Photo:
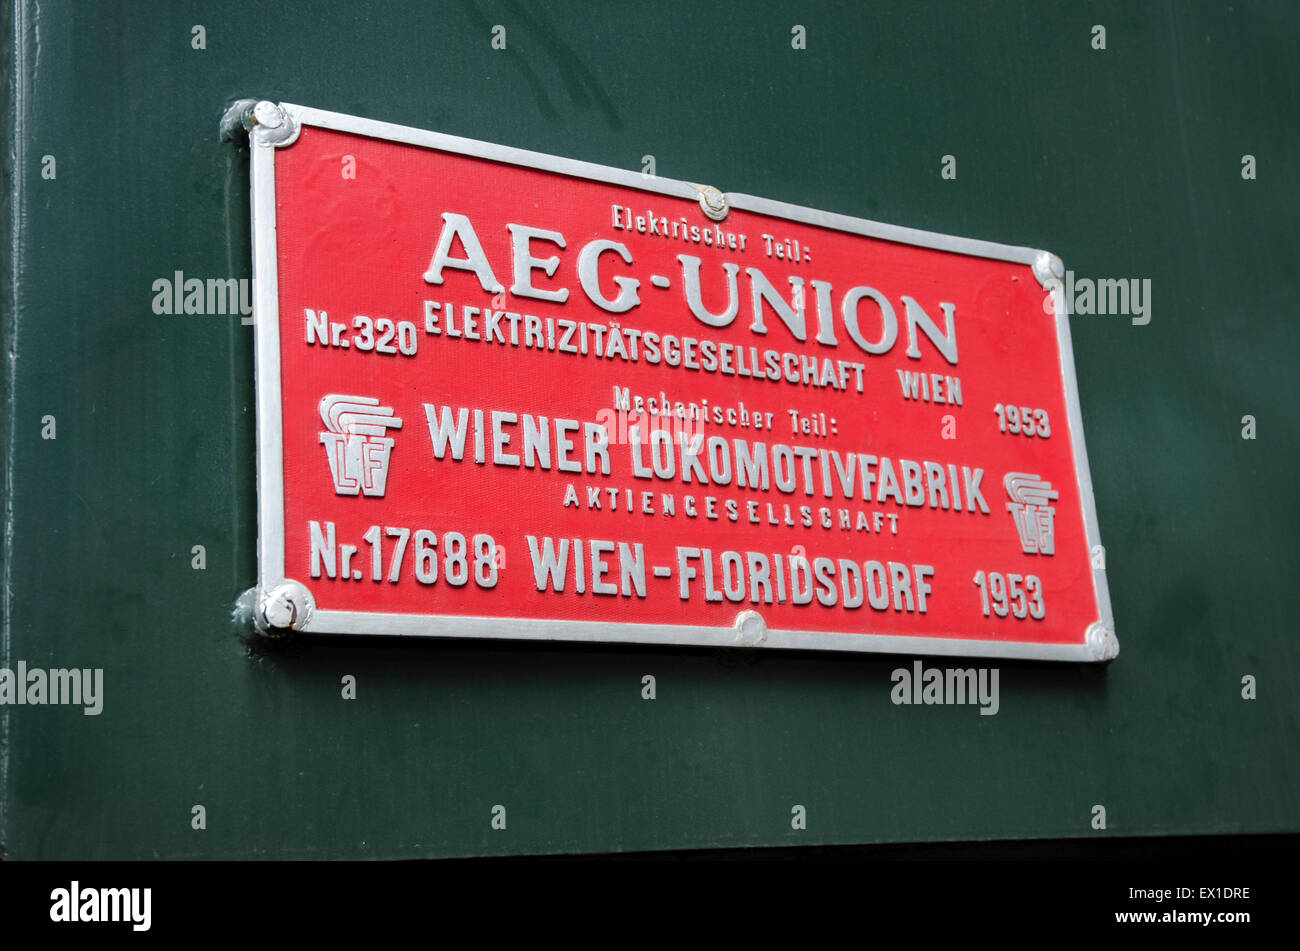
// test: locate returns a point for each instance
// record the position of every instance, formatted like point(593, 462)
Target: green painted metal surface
point(1125, 161)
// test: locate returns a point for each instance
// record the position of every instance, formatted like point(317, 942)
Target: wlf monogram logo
point(356, 444)
point(1035, 517)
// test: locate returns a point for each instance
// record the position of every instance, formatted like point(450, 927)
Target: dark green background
point(1126, 162)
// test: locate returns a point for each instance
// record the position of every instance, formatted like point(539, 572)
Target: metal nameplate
point(509, 395)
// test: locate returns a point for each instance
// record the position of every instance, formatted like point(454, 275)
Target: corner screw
point(285, 607)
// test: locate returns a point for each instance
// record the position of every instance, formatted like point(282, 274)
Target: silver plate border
point(1097, 642)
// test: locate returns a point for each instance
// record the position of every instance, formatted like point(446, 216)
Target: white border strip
point(266, 367)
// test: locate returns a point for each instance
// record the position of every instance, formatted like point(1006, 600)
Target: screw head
point(751, 629)
point(268, 115)
point(1049, 269)
point(713, 202)
point(284, 607)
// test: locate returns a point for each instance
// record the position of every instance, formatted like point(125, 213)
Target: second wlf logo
point(356, 444)
point(1035, 517)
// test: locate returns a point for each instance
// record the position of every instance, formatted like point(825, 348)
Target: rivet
point(713, 202)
